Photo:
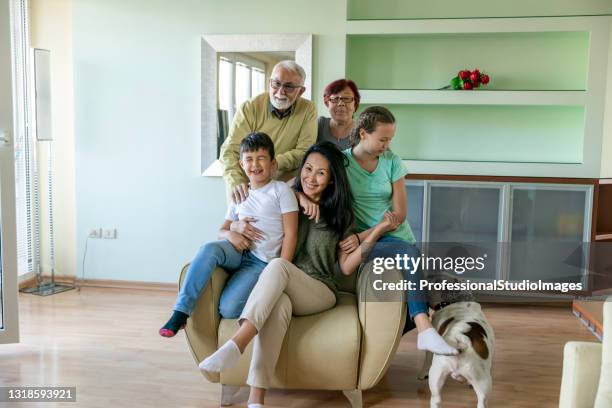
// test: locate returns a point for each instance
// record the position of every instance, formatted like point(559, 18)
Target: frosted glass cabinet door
point(414, 191)
point(464, 221)
point(548, 228)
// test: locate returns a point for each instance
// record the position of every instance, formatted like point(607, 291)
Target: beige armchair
point(347, 348)
point(587, 370)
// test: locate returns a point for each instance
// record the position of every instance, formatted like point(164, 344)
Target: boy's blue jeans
point(244, 269)
point(390, 247)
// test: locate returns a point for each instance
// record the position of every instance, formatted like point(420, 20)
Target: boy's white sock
point(226, 357)
point(430, 340)
point(255, 406)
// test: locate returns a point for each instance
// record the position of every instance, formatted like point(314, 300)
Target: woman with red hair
point(341, 98)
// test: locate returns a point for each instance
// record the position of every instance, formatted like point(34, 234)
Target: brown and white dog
point(463, 326)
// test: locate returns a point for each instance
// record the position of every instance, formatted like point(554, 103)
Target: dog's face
point(437, 297)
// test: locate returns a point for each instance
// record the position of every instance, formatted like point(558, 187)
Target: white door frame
point(10, 332)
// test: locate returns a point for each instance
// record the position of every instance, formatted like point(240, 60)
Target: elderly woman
point(342, 100)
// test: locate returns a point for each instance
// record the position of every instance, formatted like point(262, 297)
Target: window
point(241, 77)
point(26, 198)
point(218, 59)
point(258, 81)
point(226, 70)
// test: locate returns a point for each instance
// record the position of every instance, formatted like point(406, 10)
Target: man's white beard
point(281, 104)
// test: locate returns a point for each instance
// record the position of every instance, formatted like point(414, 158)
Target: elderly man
point(281, 113)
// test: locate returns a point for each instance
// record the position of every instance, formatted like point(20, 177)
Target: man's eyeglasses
point(289, 87)
point(344, 99)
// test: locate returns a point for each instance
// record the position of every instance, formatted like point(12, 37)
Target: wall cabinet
point(527, 230)
point(548, 226)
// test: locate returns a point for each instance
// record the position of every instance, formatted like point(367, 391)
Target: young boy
point(272, 206)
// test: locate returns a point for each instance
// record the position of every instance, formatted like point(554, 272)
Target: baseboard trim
point(592, 317)
point(28, 280)
point(134, 285)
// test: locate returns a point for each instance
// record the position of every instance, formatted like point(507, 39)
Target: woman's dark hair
point(368, 119)
point(255, 141)
point(336, 200)
point(338, 86)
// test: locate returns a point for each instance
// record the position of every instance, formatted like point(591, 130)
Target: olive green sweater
point(315, 252)
point(291, 135)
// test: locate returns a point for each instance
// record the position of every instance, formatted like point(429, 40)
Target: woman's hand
point(310, 209)
point(239, 241)
point(349, 244)
point(389, 222)
point(245, 228)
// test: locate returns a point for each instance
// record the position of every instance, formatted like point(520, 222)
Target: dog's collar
point(441, 305)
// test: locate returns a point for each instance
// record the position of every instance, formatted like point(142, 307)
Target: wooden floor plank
point(105, 342)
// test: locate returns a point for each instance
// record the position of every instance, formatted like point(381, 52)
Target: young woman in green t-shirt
point(376, 176)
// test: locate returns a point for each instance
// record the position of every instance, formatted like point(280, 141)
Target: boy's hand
point(349, 244)
point(240, 193)
point(239, 241)
point(310, 209)
point(390, 222)
point(245, 228)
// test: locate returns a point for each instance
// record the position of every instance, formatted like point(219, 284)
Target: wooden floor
point(105, 342)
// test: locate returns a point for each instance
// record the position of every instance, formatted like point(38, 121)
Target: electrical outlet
point(109, 233)
point(95, 233)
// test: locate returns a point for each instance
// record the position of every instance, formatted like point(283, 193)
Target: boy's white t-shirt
point(267, 205)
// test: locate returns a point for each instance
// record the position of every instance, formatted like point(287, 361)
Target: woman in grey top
point(341, 98)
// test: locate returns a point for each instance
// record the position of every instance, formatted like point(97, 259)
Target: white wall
point(51, 28)
point(137, 121)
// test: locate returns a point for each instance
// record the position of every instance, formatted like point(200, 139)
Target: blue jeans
point(244, 269)
point(390, 247)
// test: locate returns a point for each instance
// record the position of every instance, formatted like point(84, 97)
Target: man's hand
point(349, 244)
point(239, 241)
point(245, 228)
point(240, 193)
point(310, 209)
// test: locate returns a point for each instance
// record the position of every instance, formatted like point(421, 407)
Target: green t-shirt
point(372, 192)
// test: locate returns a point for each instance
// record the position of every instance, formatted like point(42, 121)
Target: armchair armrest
point(604, 389)
point(203, 325)
point(581, 367)
point(382, 317)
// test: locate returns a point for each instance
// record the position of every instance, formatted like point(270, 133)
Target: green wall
point(515, 61)
point(512, 134)
point(416, 9)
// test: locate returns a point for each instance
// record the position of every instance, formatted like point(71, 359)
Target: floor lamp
point(42, 85)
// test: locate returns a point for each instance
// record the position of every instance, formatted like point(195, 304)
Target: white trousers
point(282, 290)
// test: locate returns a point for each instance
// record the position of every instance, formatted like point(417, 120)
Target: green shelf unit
point(475, 97)
point(514, 61)
point(489, 133)
point(413, 9)
point(542, 115)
